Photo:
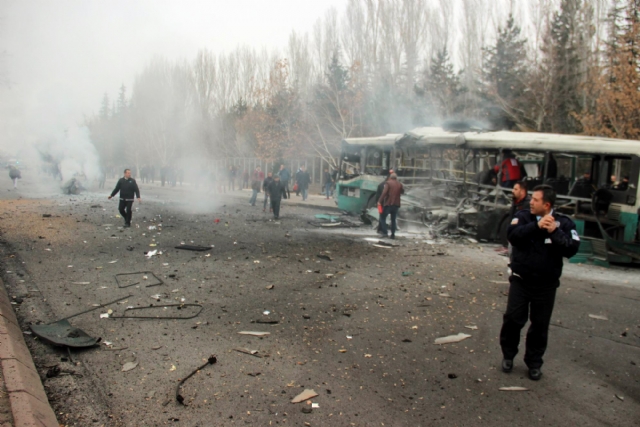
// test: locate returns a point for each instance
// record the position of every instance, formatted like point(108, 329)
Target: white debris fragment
point(104, 315)
point(598, 317)
point(472, 327)
point(513, 388)
point(305, 395)
point(129, 366)
point(452, 339)
point(266, 312)
point(254, 333)
point(113, 262)
point(151, 253)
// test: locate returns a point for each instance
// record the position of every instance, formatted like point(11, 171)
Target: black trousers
point(275, 206)
point(389, 210)
point(125, 210)
point(527, 300)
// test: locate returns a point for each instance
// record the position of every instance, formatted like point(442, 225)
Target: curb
point(29, 403)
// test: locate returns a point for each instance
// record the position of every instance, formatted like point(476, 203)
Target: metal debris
point(598, 317)
point(161, 307)
point(210, 361)
point(123, 284)
point(129, 366)
point(193, 248)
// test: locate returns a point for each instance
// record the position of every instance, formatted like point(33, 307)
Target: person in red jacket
point(511, 170)
point(390, 201)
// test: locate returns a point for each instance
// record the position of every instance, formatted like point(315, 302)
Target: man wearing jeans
point(326, 182)
point(303, 182)
point(128, 188)
point(541, 238)
point(390, 201)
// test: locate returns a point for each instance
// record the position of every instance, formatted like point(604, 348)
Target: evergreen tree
point(565, 40)
point(504, 77)
point(122, 99)
point(442, 87)
point(105, 109)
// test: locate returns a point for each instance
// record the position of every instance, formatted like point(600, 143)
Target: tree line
point(386, 66)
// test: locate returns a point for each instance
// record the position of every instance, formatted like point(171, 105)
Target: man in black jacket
point(277, 191)
point(265, 187)
point(541, 238)
point(128, 188)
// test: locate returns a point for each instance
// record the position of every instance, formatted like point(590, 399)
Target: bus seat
point(561, 185)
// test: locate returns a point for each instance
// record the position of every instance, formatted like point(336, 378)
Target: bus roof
point(517, 141)
point(388, 139)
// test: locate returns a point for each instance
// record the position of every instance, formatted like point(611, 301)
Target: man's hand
point(545, 222)
point(139, 200)
point(551, 224)
point(109, 197)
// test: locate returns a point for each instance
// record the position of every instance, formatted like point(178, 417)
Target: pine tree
point(504, 77)
point(442, 86)
point(105, 109)
point(565, 40)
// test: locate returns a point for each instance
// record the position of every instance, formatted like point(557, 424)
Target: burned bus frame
point(610, 231)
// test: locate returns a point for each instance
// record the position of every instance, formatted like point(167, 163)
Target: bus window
point(377, 161)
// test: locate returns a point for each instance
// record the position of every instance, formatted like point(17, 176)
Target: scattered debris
point(151, 253)
point(249, 352)
point(61, 333)
point(620, 397)
point(452, 339)
point(210, 361)
point(164, 309)
point(129, 366)
point(305, 395)
point(193, 248)
point(323, 256)
point(598, 317)
point(145, 276)
point(269, 287)
point(472, 327)
point(452, 376)
point(254, 333)
point(80, 283)
point(407, 273)
point(515, 388)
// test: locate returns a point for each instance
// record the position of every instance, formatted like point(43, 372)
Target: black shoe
point(507, 365)
point(127, 225)
point(535, 374)
point(393, 236)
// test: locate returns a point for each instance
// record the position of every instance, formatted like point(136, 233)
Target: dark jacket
point(380, 190)
point(326, 178)
point(537, 254)
point(304, 180)
point(284, 175)
point(265, 184)
point(391, 194)
point(127, 188)
point(277, 190)
point(516, 207)
point(15, 173)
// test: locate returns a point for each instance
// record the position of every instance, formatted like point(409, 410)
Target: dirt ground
point(354, 328)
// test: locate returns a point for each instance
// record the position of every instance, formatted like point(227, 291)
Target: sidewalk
point(22, 390)
point(314, 200)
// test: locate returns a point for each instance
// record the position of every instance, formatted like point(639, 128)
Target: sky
point(61, 56)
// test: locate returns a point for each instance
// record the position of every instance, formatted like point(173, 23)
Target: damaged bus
point(450, 187)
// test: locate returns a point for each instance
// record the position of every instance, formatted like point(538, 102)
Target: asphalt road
point(354, 328)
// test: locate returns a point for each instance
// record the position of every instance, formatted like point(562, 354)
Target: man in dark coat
point(303, 183)
point(390, 202)
point(14, 174)
point(379, 191)
point(265, 187)
point(128, 188)
point(541, 238)
point(298, 173)
point(277, 192)
point(285, 177)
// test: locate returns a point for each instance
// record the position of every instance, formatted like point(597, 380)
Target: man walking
point(276, 191)
point(265, 187)
point(256, 183)
point(327, 181)
point(128, 188)
point(297, 186)
point(379, 191)
point(303, 182)
point(390, 202)
point(285, 177)
point(15, 175)
point(540, 238)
